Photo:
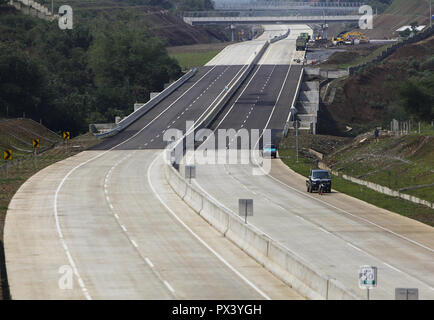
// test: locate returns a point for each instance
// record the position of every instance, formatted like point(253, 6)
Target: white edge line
point(59, 187)
point(199, 238)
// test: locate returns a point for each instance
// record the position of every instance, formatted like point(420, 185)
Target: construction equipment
point(350, 38)
point(300, 44)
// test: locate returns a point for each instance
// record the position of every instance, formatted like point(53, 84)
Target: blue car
point(269, 150)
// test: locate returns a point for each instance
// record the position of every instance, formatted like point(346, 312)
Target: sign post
point(406, 294)
point(7, 155)
point(190, 172)
point(245, 208)
point(66, 137)
point(367, 278)
point(35, 147)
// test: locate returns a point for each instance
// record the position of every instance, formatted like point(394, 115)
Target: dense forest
point(70, 78)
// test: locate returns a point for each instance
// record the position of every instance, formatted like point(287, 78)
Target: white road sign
point(367, 277)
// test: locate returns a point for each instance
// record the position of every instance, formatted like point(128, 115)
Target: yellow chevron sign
point(36, 143)
point(67, 135)
point(7, 154)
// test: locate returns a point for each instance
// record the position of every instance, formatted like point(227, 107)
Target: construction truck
point(300, 43)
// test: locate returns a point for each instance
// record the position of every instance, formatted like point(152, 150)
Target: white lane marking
point(277, 101)
point(111, 206)
point(241, 94)
point(392, 267)
point(134, 243)
point(62, 240)
point(149, 262)
point(107, 198)
point(324, 230)
point(354, 247)
point(169, 286)
point(196, 236)
point(348, 213)
point(123, 228)
point(56, 194)
point(116, 216)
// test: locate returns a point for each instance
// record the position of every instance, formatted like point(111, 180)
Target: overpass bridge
point(271, 19)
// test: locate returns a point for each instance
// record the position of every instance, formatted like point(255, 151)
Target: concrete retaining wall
point(286, 265)
point(149, 105)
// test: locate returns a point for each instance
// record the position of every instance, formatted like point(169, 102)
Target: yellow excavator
point(349, 38)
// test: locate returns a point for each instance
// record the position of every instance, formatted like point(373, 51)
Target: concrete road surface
point(335, 233)
point(124, 234)
point(104, 224)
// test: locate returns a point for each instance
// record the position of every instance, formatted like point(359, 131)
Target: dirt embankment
point(367, 99)
point(400, 13)
point(176, 32)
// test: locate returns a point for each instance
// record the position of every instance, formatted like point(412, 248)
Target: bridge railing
point(265, 5)
point(261, 13)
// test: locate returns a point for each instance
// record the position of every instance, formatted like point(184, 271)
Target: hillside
point(398, 14)
point(17, 134)
point(162, 23)
point(373, 97)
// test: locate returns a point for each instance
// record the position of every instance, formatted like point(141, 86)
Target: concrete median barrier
point(249, 240)
point(280, 261)
point(215, 217)
point(193, 198)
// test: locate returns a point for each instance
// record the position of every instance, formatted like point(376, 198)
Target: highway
point(105, 224)
point(108, 220)
point(335, 233)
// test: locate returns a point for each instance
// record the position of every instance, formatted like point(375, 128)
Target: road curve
point(107, 217)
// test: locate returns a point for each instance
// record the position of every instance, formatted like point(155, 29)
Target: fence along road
point(335, 233)
point(118, 226)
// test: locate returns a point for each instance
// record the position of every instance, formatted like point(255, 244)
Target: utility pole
point(430, 13)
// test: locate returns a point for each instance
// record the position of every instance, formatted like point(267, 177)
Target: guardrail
point(294, 101)
point(281, 37)
point(270, 19)
point(148, 106)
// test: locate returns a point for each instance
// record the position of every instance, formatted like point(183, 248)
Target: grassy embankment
point(419, 164)
point(195, 55)
point(14, 136)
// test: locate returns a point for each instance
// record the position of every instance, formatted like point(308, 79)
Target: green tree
point(418, 97)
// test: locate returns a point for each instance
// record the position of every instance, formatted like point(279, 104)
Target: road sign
point(190, 172)
point(245, 208)
point(67, 135)
point(36, 143)
point(406, 294)
point(7, 154)
point(367, 277)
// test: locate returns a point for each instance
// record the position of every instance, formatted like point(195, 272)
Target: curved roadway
point(106, 219)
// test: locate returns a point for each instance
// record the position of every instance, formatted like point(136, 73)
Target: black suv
point(318, 177)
